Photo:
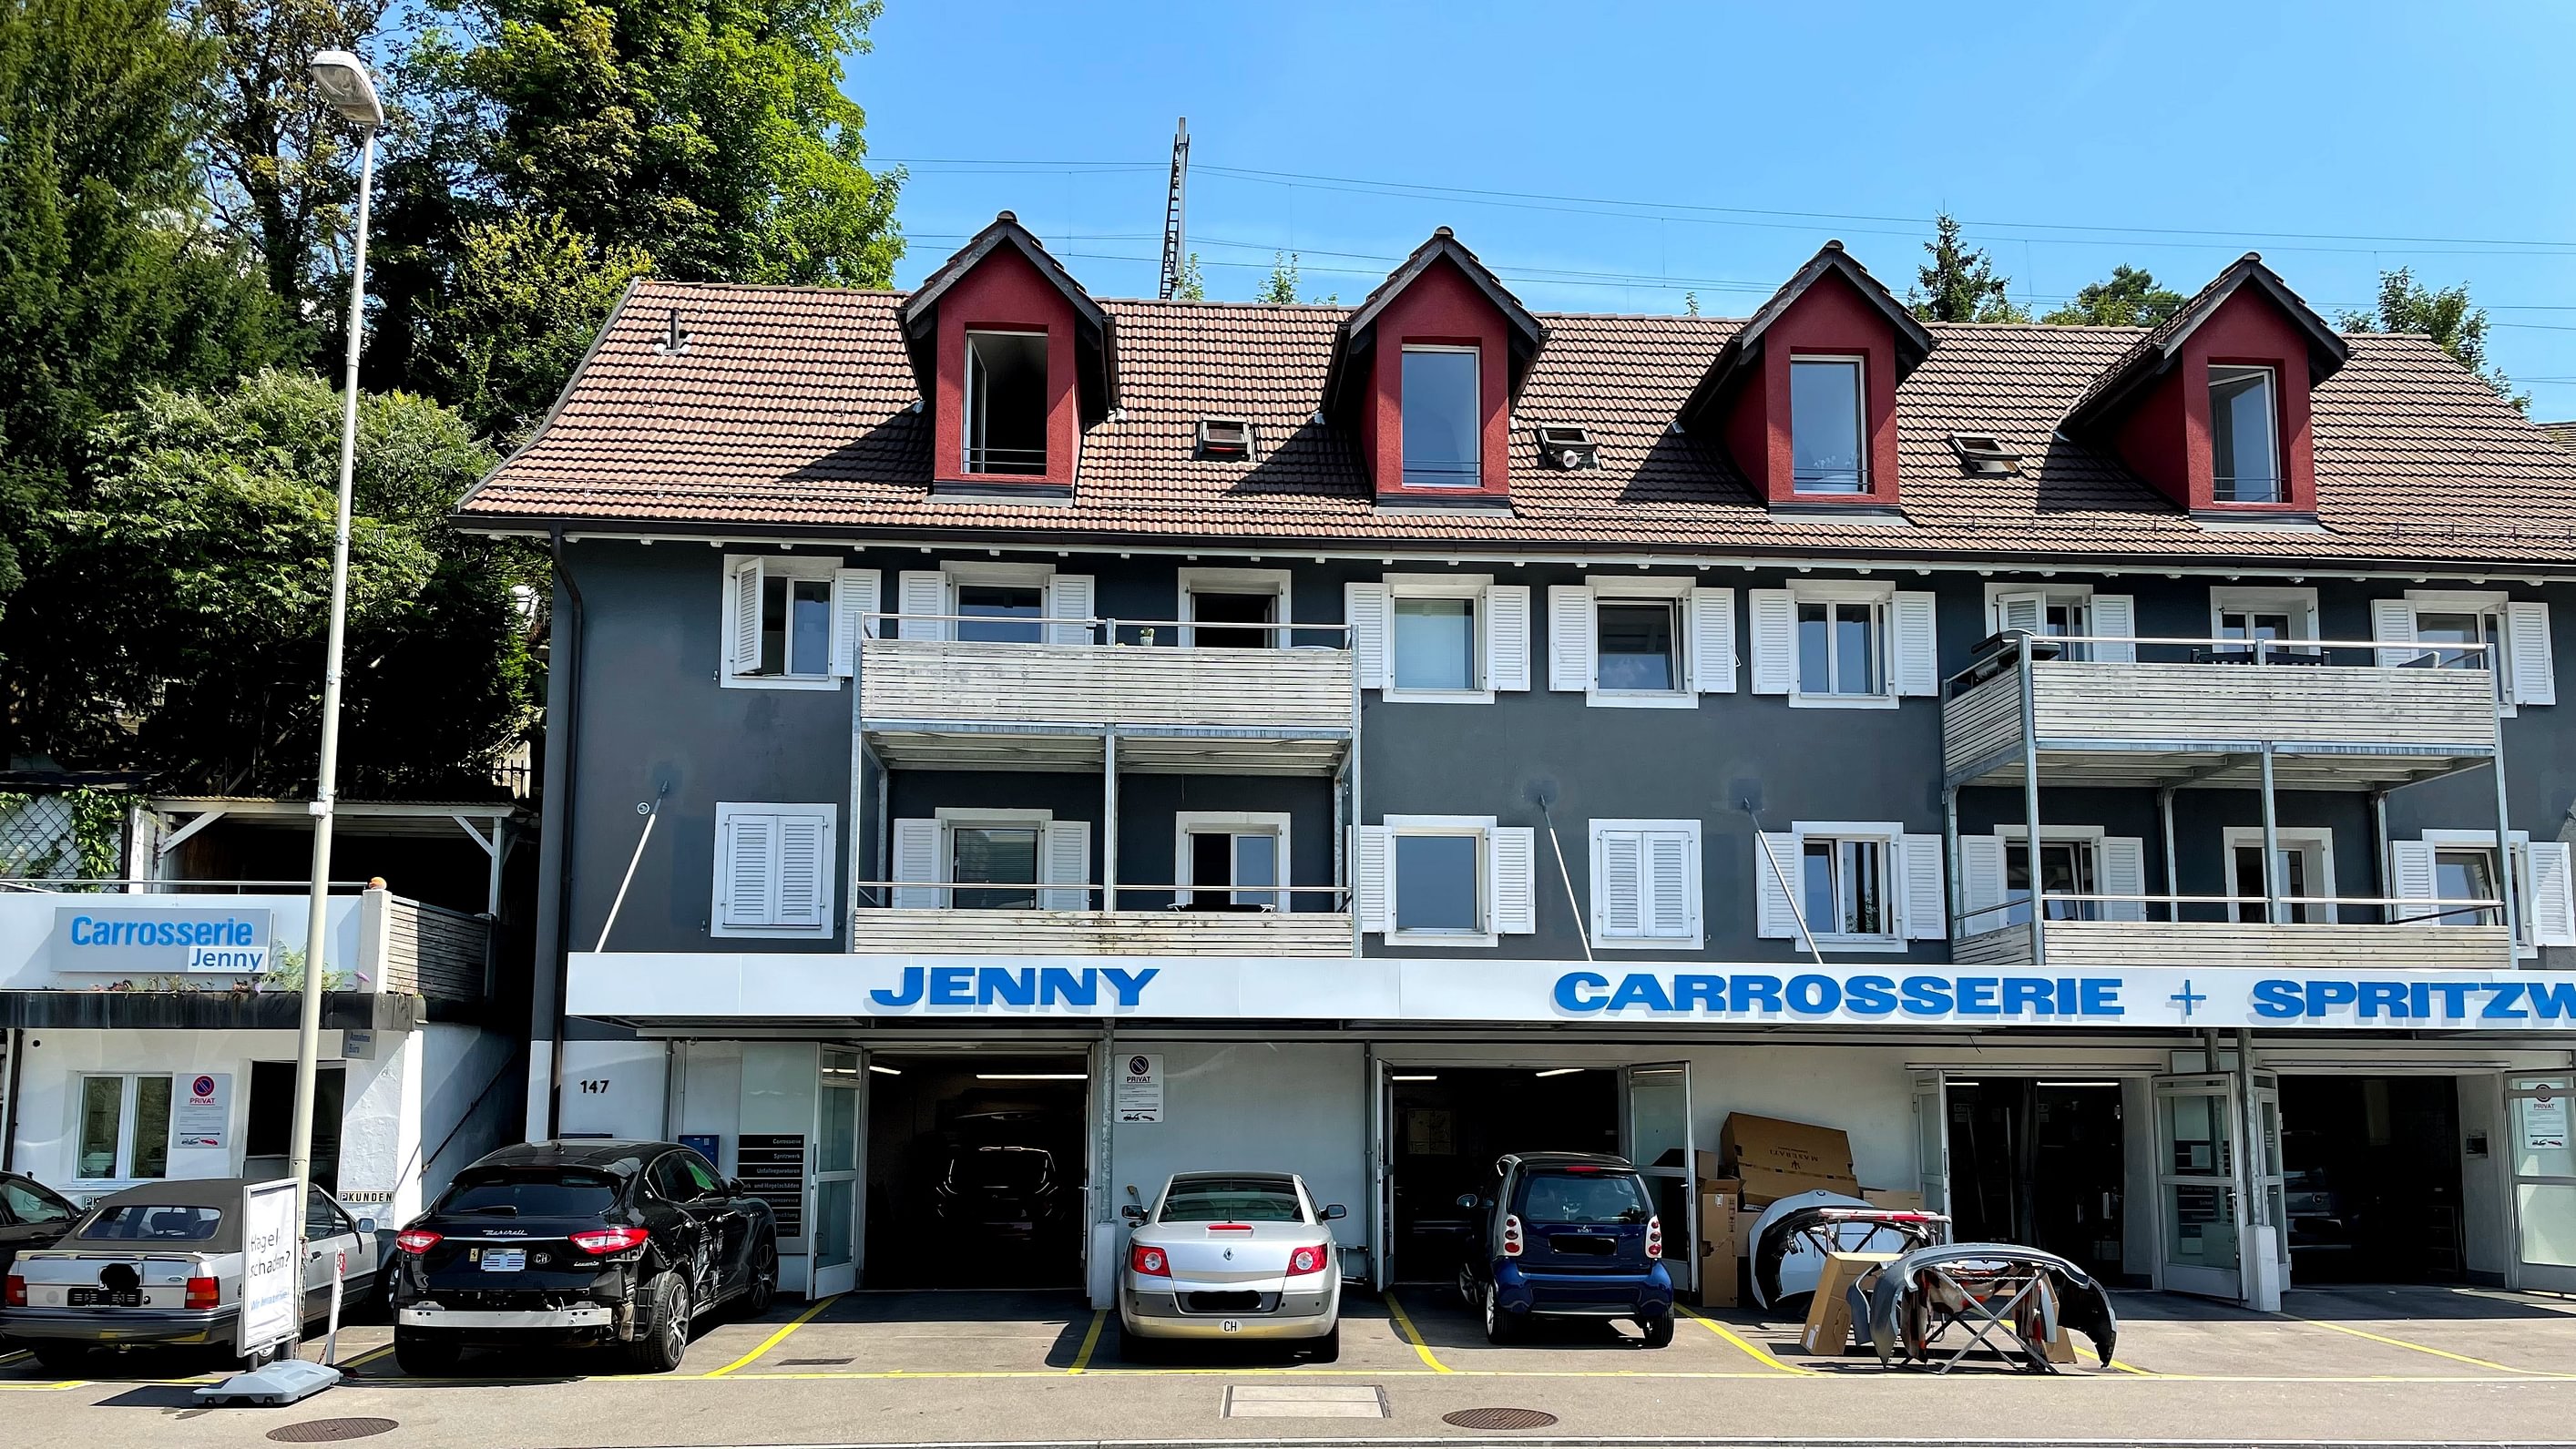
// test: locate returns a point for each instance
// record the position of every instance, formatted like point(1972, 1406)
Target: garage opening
point(2371, 1185)
point(976, 1167)
point(1447, 1125)
point(2039, 1162)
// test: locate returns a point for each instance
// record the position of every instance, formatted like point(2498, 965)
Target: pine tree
point(1959, 284)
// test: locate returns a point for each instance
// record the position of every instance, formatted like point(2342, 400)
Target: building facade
point(1009, 746)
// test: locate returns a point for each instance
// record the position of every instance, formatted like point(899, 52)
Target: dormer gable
point(2211, 406)
point(1014, 360)
point(1803, 396)
point(1425, 370)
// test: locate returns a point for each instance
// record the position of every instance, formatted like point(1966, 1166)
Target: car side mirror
point(366, 1226)
point(1335, 1212)
point(1470, 1201)
point(1132, 1213)
point(733, 1185)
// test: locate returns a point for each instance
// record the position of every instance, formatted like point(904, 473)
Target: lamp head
point(346, 87)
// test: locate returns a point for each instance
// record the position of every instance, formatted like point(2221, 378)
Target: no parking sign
point(1139, 1094)
point(199, 1119)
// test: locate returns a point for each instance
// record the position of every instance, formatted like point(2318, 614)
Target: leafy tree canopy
point(1959, 284)
point(525, 299)
point(2129, 297)
point(2447, 316)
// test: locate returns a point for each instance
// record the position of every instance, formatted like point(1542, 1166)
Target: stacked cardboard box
point(1774, 1159)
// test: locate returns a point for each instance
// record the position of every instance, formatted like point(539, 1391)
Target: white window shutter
point(1981, 883)
point(2124, 873)
point(1916, 662)
point(1069, 603)
point(1369, 877)
point(2526, 632)
point(1712, 641)
point(2027, 613)
point(1927, 903)
point(1512, 855)
point(916, 858)
point(1619, 884)
point(924, 603)
point(1364, 608)
point(2553, 894)
point(854, 597)
point(1672, 886)
point(1067, 862)
point(1775, 640)
point(1507, 636)
point(751, 871)
point(2411, 878)
point(1569, 637)
point(2115, 616)
point(2392, 621)
point(742, 621)
point(1775, 918)
point(804, 870)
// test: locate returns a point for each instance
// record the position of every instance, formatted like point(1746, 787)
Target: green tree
point(1690, 304)
point(1191, 287)
point(195, 649)
point(1959, 284)
point(2447, 316)
point(1281, 288)
point(2129, 297)
point(525, 298)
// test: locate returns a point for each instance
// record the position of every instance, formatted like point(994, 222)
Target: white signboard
point(1139, 1093)
point(162, 940)
point(203, 1113)
point(272, 1308)
point(2544, 1122)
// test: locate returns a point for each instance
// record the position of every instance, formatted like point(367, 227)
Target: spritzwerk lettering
point(2286, 999)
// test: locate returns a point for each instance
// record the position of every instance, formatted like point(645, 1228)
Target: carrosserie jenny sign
point(160, 940)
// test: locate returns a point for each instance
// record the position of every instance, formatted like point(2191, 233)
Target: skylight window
point(1984, 453)
point(1566, 447)
point(1225, 440)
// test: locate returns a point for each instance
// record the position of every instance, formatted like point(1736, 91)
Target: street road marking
point(2130, 1368)
point(370, 1356)
point(2420, 1348)
point(775, 1339)
point(1731, 1336)
point(1090, 1341)
point(1412, 1336)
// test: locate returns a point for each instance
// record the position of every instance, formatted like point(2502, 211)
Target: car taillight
point(202, 1293)
point(1654, 1237)
point(1307, 1260)
point(609, 1240)
point(1149, 1261)
point(417, 1240)
point(17, 1297)
point(1511, 1235)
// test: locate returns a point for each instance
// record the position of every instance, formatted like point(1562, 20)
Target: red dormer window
point(2244, 436)
point(1425, 370)
point(1006, 403)
point(1828, 425)
point(1443, 420)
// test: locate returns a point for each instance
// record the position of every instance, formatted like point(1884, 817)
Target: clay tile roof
point(794, 410)
point(2563, 434)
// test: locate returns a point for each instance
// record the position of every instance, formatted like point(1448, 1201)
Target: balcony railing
point(918, 931)
point(2086, 930)
point(2332, 714)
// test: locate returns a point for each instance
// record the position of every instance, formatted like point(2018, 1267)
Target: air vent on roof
point(1227, 440)
point(1566, 447)
point(675, 338)
point(1985, 453)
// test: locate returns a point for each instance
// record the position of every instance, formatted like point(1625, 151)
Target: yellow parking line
point(1090, 1341)
point(2130, 1368)
point(775, 1339)
point(2420, 1348)
point(1404, 1325)
point(1731, 1336)
point(370, 1356)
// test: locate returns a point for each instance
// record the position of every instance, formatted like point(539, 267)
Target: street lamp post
point(346, 88)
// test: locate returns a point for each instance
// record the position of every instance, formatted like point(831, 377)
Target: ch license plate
point(105, 1297)
point(1229, 1325)
point(505, 1260)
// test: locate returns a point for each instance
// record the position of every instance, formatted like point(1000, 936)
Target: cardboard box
point(1708, 1168)
point(1829, 1318)
point(1747, 1142)
point(1763, 1188)
point(1719, 1250)
point(1908, 1202)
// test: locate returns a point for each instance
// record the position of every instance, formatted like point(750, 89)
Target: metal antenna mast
point(1174, 258)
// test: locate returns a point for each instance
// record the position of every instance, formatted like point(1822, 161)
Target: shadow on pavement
point(1444, 1322)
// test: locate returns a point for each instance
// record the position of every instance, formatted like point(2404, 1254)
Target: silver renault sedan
point(1233, 1255)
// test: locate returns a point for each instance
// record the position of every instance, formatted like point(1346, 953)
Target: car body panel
point(32, 1215)
point(1229, 1278)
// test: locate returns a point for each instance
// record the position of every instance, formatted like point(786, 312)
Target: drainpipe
point(2165, 820)
point(1109, 822)
point(2030, 802)
point(555, 856)
point(1954, 892)
point(2504, 859)
point(2273, 910)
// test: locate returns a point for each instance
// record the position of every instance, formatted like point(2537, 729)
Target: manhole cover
point(331, 1431)
point(1498, 1419)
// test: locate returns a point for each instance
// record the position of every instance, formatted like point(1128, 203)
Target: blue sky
point(1608, 158)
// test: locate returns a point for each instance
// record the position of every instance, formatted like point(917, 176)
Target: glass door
point(838, 1125)
point(1381, 1172)
point(2203, 1219)
point(2544, 1180)
point(1656, 1131)
point(1932, 1140)
point(2270, 1178)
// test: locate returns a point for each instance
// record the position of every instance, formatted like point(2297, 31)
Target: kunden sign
point(640, 987)
point(161, 941)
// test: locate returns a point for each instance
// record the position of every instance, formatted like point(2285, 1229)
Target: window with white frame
point(2444, 629)
point(1006, 402)
point(1440, 638)
point(1447, 880)
point(2067, 868)
point(2447, 867)
point(1227, 608)
point(124, 1128)
point(1837, 644)
point(991, 859)
point(2245, 454)
point(775, 870)
point(2307, 870)
point(2066, 611)
point(793, 623)
point(1443, 418)
point(2249, 614)
point(1828, 428)
point(1857, 885)
point(1646, 884)
point(995, 603)
point(2074, 861)
point(1236, 852)
point(1645, 641)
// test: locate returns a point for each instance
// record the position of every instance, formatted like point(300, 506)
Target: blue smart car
point(1571, 1235)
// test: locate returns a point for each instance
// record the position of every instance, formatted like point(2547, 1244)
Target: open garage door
point(840, 1117)
point(2201, 1216)
point(1656, 1133)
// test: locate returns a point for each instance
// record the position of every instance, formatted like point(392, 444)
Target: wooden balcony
point(912, 932)
point(941, 704)
point(2328, 724)
point(2088, 945)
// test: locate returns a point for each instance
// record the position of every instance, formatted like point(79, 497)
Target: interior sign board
point(2544, 1121)
point(160, 940)
point(772, 1168)
point(1139, 1093)
point(271, 1307)
point(204, 1110)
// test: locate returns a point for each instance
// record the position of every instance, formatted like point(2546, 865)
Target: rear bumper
point(1585, 1295)
point(122, 1325)
point(579, 1317)
point(1295, 1316)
